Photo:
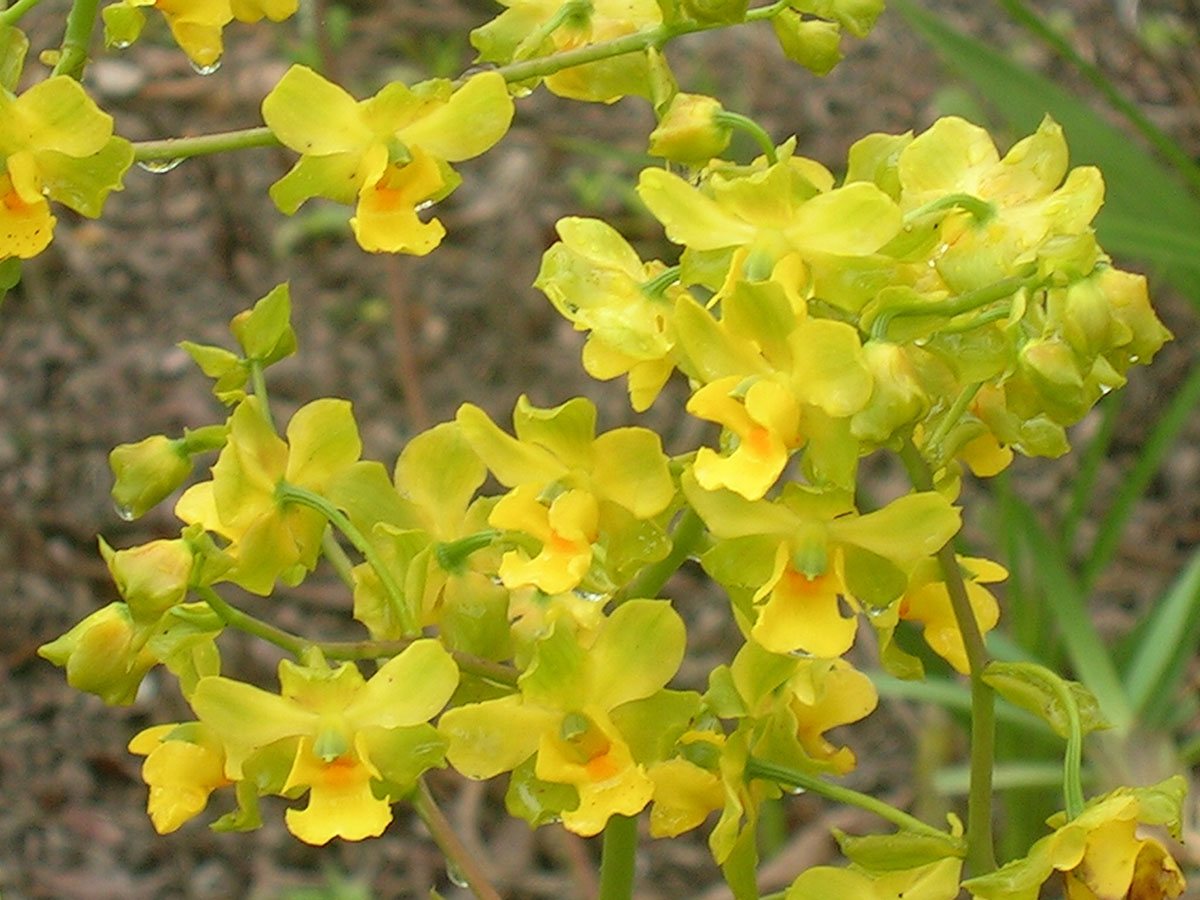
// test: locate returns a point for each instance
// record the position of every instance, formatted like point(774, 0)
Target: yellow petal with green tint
point(804, 614)
point(950, 156)
point(55, 114)
point(180, 775)
point(855, 220)
point(247, 718)
point(335, 176)
point(495, 736)
point(689, 217)
point(313, 116)
point(409, 688)
point(323, 441)
point(730, 515)
point(684, 795)
point(907, 529)
point(340, 801)
point(631, 469)
point(1032, 168)
point(637, 652)
point(84, 183)
point(476, 117)
point(567, 430)
point(248, 468)
point(829, 369)
point(440, 473)
point(511, 461)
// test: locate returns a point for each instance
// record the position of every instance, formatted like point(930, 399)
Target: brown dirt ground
point(88, 359)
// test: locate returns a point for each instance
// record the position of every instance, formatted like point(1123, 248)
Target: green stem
point(495, 672)
point(203, 145)
point(1073, 759)
point(617, 858)
point(290, 493)
point(1170, 150)
point(980, 209)
point(452, 848)
point(769, 771)
point(235, 618)
point(654, 577)
point(655, 287)
point(258, 384)
point(981, 854)
point(627, 43)
point(13, 14)
point(81, 22)
point(748, 126)
point(337, 557)
point(951, 306)
point(933, 446)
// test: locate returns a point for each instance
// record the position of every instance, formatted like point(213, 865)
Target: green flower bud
point(813, 43)
point(689, 132)
point(151, 578)
point(146, 472)
point(103, 655)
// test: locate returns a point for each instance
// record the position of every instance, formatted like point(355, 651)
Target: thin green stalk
point(235, 618)
point(495, 672)
point(617, 858)
point(337, 557)
point(951, 306)
point(981, 853)
point(1170, 150)
point(980, 209)
point(1073, 758)
point(81, 22)
point(258, 383)
point(654, 577)
point(655, 287)
point(748, 126)
point(203, 145)
point(290, 493)
point(13, 14)
point(933, 446)
point(627, 43)
point(769, 771)
point(457, 856)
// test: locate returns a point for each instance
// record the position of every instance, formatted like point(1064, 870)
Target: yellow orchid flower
point(184, 764)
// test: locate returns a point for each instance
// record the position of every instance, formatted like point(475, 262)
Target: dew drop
point(158, 166)
point(455, 874)
point(424, 205)
point(122, 45)
point(591, 596)
point(205, 70)
point(124, 512)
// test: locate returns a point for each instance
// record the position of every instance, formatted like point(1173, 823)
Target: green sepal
point(636, 653)
point(123, 24)
point(856, 16)
point(880, 853)
point(556, 676)
point(748, 560)
point(722, 696)
point(84, 183)
point(365, 494)
point(205, 438)
point(439, 472)
point(874, 158)
point(872, 579)
point(1036, 689)
point(567, 430)
point(757, 673)
point(652, 726)
point(717, 12)
point(13, 47)
point(265, 771)
point(474, 617)
point(265, 332)
point(228, 370)
point(896, 662)
point(402, 755)
point(813, 43)
point(537, 802)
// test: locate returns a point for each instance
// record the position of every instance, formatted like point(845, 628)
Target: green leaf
point(1165, 649)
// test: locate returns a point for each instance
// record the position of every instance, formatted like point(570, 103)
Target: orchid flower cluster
point(939, 301)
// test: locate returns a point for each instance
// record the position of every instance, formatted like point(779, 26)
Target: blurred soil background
point(88, 359)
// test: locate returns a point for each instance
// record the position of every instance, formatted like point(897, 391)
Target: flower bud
point(146, 472)
point(102, 655)
point(689, 132)
point(152, 577)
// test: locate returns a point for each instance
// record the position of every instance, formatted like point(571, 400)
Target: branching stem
point(81, 22)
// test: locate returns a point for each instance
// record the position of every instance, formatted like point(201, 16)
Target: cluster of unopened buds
point(939, 301)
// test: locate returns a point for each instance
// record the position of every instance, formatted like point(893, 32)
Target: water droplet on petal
point(122, 45)
point(158, 166)
point(424, 205)
point(205, 70)
point(455, 874)
point(124, 512)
